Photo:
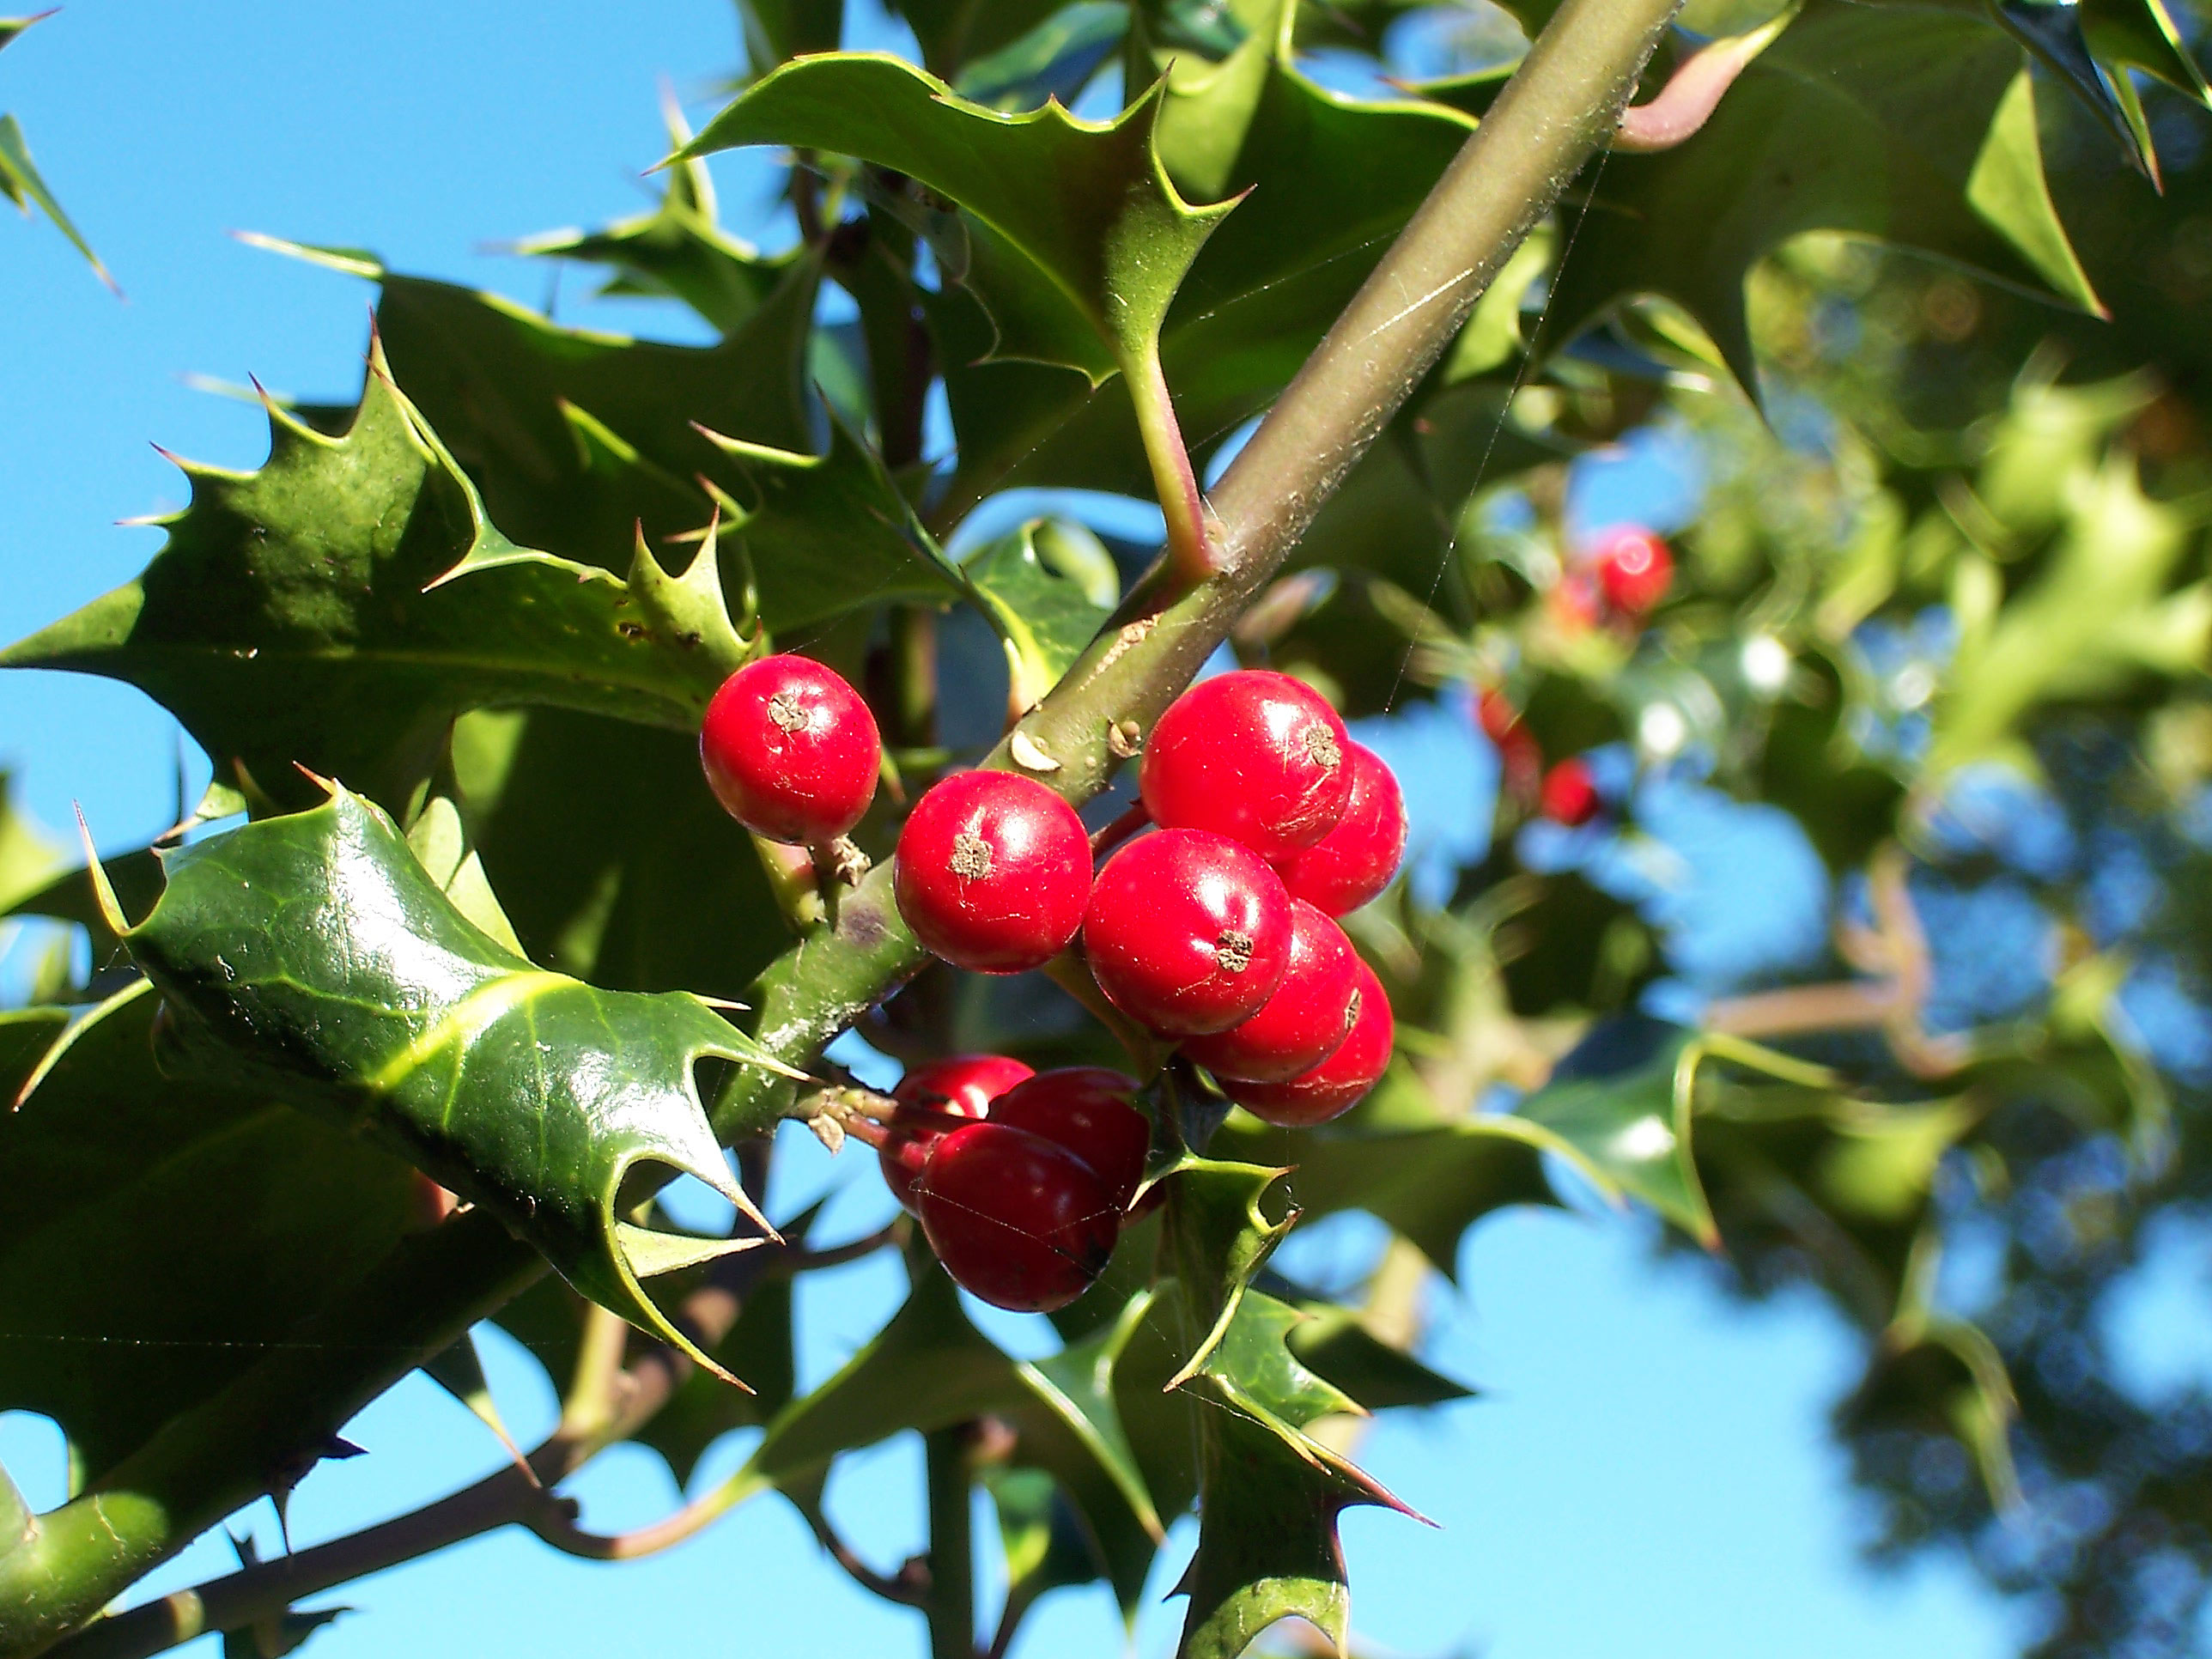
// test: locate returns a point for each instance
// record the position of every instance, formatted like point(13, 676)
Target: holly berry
point(1254, 756)
point(1187, 932)
point(993, 872)
point(1308, 1016)
point(1570, 794)
point(791, 750)
point(1353, 862)
point(1634, 568)
point(1576, 602)
point(1086, 1109)
point(963, 1085)
point(1017, 1219)
point(1498, 715)
point(1332, 1088)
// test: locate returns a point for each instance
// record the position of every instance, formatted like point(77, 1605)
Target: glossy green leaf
point(1076, 239)
point(29, 856)
point(823, 534)
point(1043, 617)
point(1915, 125)
point(315, 951)
point(159, 1234)
point(338, 608)
point(1223, 1234)
point(1054, 60)
point(1331, 1342)
point(20, 180)
point(776, 30)
point(1267, 1546)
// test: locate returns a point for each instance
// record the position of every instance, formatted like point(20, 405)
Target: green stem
point(1189, 539)
point(951, 1605)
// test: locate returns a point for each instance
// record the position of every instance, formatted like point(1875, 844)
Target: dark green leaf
point(336, 609)
point(776, 30)
point(315, 950)
point(1333, 1343)
point(1916, 125)
point(1056, 59)
point(1044, 617)
point(21, 183)
point(1076, 242)
point(1222, 1235)
point(158, 1236)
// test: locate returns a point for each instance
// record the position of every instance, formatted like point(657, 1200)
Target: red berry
point(1254, 755)
point(1187, 932)
point(1353, 862)
point(1331, 1088)
point(1086, 1109)
point(1495, 710)
point(1634, 568)
point(791, 750)
point(993, 872)
point(1017, 1219)
point(1310, 1013)
point(1576, 605)
point(1521, 765)
point(1569, 795)
point(962, 1086)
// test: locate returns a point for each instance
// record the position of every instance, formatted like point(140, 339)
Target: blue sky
point(1648, 1474)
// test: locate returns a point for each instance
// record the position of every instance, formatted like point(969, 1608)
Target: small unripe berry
point(1017, 1219)
point(993, 872)
point(1253, 754)
point(1570, 794)
point(791, 750)
point(1355, 861)
point(1086, 1109)
point(1187, 932)
point(1310, 1013)
point(1634, 568)
point(963, 1085)
point(1335, 1085)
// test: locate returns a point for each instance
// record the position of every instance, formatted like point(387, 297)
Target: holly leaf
point(29, 856)
point(338, 608)
point(1044, 616)
point(159, 1234)
point(1054, 61)
point(315, 951)
point(1221, 1235)
point(21, 183)
point(1271, 1493)
point(1075, 241)
point(1336, 1346)
point(1915, 125)
point(1620, 1103)
point(825, 534)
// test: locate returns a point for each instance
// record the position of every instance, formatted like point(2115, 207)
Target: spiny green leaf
point(338, 608)
point(1915, 125)
point(825, 534)
point(160, 1234)
point(29, 856)
point(777, 30)
point(954, 32)
point(315, 950)
point(1043, 617)
point(1076, 239)
point(21, 183)
point(1622, 1102)
point(1222, 1235)
point(1267, 1546)
point(1333, 1343)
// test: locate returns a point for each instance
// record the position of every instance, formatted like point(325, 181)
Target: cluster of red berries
point(1216, 929)
point(1566, 793)
point(1021, 1180)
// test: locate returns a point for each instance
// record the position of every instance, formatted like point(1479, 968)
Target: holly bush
point(459, 963)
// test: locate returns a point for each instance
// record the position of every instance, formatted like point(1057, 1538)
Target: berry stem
point(951, 1605)
point(1190, 558)
point(1113, 835)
